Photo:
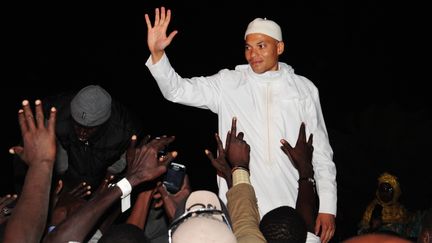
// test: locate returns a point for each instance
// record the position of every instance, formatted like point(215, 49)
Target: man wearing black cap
point(93, 132)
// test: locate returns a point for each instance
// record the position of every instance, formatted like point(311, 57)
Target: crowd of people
point(86, 171)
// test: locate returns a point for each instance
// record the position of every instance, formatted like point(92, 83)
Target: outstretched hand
point(143, 163)
point(157, 40)
point(223, 168)
point(235, 154)
point(39, 141)
point(236, 149)
point(301, 154)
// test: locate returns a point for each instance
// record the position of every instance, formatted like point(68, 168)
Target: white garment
point(312, 238)
point(268, 107)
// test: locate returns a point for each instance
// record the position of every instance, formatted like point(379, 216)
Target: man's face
point(262, 52)
point(84, 133)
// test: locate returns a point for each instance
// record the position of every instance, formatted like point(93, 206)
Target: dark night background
point(377, 111)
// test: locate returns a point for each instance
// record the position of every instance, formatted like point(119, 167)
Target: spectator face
point(385, 191)
point(84, 133)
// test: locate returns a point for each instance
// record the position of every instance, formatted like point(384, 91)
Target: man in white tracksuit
point(270, 102)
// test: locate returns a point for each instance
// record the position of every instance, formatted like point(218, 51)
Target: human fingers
point(28, 115)
point(52, 120)
point(40, 121)
point(233, 128)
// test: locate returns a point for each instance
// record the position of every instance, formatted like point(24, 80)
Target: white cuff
point(126, 189)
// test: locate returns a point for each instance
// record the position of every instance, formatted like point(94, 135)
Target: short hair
point(283, 224)
point(127, 233)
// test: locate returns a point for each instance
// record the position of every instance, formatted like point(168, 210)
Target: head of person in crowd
point(202, 218)
point(376, 237)
point(388, 190)
point(90, 109)
point(263, 45)
point(283, 224)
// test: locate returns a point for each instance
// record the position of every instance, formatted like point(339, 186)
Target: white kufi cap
point(266, 27)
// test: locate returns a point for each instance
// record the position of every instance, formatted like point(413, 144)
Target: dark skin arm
point(301, 157)
point(140, 209)
point(223, 168)
point(28, 221)
point(144, 167)
point(236, 149)
point(68, 202)
point(171, 201)
point(235, 154)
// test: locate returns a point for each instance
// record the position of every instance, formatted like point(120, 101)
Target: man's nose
point(82, 132)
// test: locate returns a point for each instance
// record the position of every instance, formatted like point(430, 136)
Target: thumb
point(162, 190)
point(317, 226)
point(18, 150)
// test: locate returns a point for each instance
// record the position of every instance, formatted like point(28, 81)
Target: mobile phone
point(174, 176)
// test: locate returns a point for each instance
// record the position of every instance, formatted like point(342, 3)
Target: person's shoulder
point(229, 77)
point(241, 67)
point(236, 71)
point(302, 82)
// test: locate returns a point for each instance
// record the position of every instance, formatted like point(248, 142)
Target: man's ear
point(280, 47)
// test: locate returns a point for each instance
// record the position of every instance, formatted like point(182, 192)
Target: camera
point(174, 176)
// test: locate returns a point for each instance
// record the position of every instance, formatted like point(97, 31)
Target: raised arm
point(242, 202)
point(301, 157)
point(142, 167)
point(28, 220)
point(157, 40)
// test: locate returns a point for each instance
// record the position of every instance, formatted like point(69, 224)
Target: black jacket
point(88, 161)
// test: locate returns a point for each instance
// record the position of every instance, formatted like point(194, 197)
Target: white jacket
point(268, 107)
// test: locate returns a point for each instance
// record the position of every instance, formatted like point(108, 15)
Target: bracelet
point(308, 179)
point(125, 187)
point(239, 167)
point(240, 176)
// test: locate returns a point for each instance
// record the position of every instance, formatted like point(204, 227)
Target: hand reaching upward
point(157, 39)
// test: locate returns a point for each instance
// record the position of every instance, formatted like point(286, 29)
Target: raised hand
point(28, 221)
point(301, 154)
point(143, 163)
point(68, 202)
point(38, 139)
point(223, 168)
point(237, 150)
point(157, 39)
